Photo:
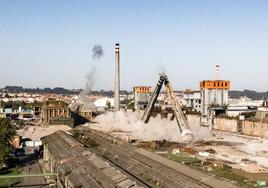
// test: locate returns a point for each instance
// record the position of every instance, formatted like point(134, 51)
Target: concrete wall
point(247, 127)
point(232, 125)
point(255, 128)
point(225, 125)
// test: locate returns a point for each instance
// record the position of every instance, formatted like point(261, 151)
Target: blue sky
point(48, 43)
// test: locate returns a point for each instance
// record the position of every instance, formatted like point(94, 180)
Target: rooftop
point(82, 167)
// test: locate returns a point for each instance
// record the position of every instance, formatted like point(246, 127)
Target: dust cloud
point(156, 129)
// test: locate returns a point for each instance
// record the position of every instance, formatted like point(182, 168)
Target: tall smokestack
point(117, 78)
point(217, 72)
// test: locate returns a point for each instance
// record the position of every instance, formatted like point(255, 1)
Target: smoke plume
point(97, 52)
point(84, 97)
point(90, 79)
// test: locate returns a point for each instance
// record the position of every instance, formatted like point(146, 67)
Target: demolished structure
point(176, 107)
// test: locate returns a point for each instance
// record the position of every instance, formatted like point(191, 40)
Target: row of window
point(216, 84)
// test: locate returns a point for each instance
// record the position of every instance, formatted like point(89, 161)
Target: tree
point(7, 132)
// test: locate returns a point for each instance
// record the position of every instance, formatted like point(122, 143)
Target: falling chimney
point(117, 79)
point(217, 72)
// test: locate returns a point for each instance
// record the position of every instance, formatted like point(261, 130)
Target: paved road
point(32, 182)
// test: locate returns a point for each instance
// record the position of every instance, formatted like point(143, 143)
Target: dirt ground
point(36, 132)
point(245, 153)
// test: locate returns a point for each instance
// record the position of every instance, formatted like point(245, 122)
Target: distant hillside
point(250, 94)
point(57, 90)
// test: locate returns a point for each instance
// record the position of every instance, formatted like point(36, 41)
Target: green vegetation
point(184, 158)
point(7, 131)
point(226, 172)
point(9, 181)
point(56, 103)
point(56, 90)
point(14, 105)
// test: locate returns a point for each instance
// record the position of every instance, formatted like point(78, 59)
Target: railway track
point(146, 168)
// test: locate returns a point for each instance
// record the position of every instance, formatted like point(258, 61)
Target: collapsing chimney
point(117, 79)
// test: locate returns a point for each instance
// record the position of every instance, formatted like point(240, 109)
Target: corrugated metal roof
point(80, 166)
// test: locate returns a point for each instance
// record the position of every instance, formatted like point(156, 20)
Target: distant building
point(8, 112)
point(192, 100)
point(104, 103)
point(242, 106)
point(234, 111)
point(56, 112)
point(82, 113)
point(245, 101)
point(141, 96)
point(85, 112)
point(265, 103)
point(25, 116)
point(214, 98)
point(262, 114)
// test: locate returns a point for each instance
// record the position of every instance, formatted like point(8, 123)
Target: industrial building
point(214, 97)
point(56, 112)
point(235, 111)
point(141, 96)
point(262, 114)
point(192, 100)
point(82, 113)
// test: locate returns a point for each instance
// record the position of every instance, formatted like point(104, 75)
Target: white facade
point(234, 111)
point(104, 102)
point(213, 98)
point(245, 101)
point(192, 100)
